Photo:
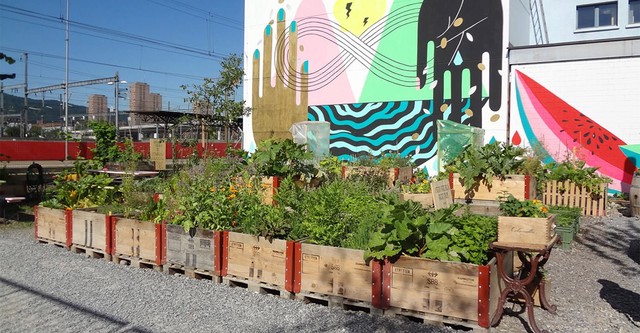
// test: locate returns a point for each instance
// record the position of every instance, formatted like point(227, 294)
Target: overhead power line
point(113, 32)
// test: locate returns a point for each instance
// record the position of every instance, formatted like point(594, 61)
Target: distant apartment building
point(98, 109)
point(142, 100)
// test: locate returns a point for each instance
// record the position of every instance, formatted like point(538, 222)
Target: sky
point(164, 43)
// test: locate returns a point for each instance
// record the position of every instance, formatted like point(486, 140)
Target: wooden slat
point(335, 271)
point(52, 224)
point(574, 196)
point(195, 252)
point(89, 229)
point(135, 239)
point(435, 287)
point(256, 258)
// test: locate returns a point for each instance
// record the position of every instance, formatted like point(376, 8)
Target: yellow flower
point(231, 196)
point(213, 188)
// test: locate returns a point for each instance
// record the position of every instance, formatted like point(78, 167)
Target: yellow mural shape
point(356, 16)
point(277, 109)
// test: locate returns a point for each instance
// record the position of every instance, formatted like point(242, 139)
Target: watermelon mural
point(562, 131)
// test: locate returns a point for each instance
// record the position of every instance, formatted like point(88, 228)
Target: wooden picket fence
point(569, 194)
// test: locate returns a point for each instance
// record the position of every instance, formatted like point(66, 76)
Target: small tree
point(216, 97)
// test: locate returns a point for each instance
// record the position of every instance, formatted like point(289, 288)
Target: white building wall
point(561, 18)
point(603, 87)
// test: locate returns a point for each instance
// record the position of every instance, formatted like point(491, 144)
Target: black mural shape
point(470, 28)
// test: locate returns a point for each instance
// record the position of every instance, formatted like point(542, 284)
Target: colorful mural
point(380, 71)
point(561, 131)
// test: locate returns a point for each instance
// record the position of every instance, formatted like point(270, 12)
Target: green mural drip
point(446, 82)
point(466, 83)
point(399, 45)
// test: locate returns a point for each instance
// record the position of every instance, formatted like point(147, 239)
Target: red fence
point(54, 150)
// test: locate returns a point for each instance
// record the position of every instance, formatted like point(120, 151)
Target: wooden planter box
point(258, 262)
point(138, 242)
point(442, 291)
point(197, 250)
point(425, 199)
point(394, 175)
point(53, 225)
point(269, 187)
point(338, 275)
point(568, 194)
point(91, 230)
point(520, 186)
point(526, 230)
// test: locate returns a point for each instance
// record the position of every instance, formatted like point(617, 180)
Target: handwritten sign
point(158, 153)
point(441, 194)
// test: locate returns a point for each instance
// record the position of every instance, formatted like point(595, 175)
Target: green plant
point(341, 212)
point(106, 149)
point(475, 234)
point(282, 158)
point(481, 165)
point(214, 97)
point(566, 216)
point(523, 208)
point(392, 159)
point(420, 183)
point(77, 188)
point(331, 167)
point(576, 172)
point(425, 236)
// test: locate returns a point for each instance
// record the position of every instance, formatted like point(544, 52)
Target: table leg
point(517, 286)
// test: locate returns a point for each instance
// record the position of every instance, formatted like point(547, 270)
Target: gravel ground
point(44, 288)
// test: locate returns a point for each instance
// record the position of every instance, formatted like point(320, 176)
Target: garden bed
point(522, 187)
point(53, 225)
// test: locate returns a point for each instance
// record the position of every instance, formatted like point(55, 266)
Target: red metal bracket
point(217, 252)
point(484, 289)
point(225, 253)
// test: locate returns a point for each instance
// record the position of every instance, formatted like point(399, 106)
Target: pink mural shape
point(319, 46)
point(562, 130)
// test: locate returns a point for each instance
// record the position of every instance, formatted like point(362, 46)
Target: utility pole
point(1, 109)
point(66, 89)
point(117, 96)
point(26, 102)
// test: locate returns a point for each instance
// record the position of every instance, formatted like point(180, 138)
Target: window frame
point(631, 13)
point(596, 8)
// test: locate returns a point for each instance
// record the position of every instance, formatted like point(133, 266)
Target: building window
point(598, 15)
point(634, 11)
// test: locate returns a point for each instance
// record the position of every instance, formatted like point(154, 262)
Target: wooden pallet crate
point(568, 194)
point(196, 250)
point(136, 240)
point(258, 259)
point(522, 187)
point(53, 225)
point(442, 291)
point(327, 272)
point(91, 229)
point(532, 231)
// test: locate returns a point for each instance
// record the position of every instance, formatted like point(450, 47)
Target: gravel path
point(43, 288)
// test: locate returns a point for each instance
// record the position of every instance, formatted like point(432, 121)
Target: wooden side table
point(533, 258)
